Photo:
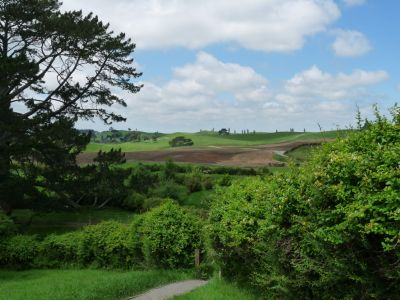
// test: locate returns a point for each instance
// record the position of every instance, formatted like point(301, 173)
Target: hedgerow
point(326, 230)
point(164, 237)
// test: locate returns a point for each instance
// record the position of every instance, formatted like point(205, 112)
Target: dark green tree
point(55, 68)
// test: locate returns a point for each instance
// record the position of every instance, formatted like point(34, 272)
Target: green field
point(213, 139)
point(81, 284)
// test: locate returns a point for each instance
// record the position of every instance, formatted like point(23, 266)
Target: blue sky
point(266, 65)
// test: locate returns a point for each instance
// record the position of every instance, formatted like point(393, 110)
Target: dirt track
point(251, 156)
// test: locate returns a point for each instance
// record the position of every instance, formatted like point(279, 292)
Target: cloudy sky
point(255, 64)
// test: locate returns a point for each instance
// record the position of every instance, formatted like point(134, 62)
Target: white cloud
point(213, 76)
point(197, 85)
point(350, 43)
point(266, 25)
point(210, 93)
point(354, 2)
point(313, 83)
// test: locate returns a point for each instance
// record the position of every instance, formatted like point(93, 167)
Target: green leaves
point(329, 229)
point(170, 236)
point(60, 67)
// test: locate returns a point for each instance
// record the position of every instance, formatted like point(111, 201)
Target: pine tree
point(56, 67)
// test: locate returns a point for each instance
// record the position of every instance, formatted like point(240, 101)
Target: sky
point(261, 65)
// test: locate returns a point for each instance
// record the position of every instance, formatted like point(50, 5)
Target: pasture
point(207, 139)
point(243, 150)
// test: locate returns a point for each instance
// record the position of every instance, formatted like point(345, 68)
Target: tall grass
point(218, 289)
point(81, 284)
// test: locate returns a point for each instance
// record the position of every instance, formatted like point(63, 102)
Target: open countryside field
point(213, 139)
point(250, 150)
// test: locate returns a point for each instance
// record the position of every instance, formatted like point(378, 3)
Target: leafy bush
point(170, 235)
point(19, 251)
point(169, 169)
point(57, 250)
point(180, 141)
point(134, 201)
point(329, 229)
point(236, 215)
point(134, 241)
point(142, 178)
point(169, 189)
point(208, 183)
point(7, 226)
point(225, 180)
point(152, 202)
point(105, 245)
point(193, 183)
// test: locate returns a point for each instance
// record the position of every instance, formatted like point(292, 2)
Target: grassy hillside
point(213, 139)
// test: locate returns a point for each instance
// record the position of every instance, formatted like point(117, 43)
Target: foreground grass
point(218, 289)
point(213, 139)
point(81, 284)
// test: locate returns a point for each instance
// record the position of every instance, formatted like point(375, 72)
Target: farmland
point(250, 150)
point(213, 139)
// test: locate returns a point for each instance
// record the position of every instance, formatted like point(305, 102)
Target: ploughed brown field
point(251, 156)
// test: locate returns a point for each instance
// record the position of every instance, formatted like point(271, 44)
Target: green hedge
point(164, 237)
point(105, 245)
point(327, 230)
point(19, 252)
point(170, 236)
point(58, 250)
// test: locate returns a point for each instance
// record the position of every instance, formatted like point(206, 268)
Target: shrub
point(135, 241)
point(180, 141)
point(193, 183)
point(329, 229)
point(58, 250)
point(208, 183)
point(20, 251)
point(134, 201)
point(170, 236)
point(170, 189)
point(152, 202)
point(105, 245)
point(170, 169)
point(7, 226)
point(225, 180)
point(142, 178)
point(236, 215)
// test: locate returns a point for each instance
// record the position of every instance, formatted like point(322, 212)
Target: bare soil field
point(249, 156)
